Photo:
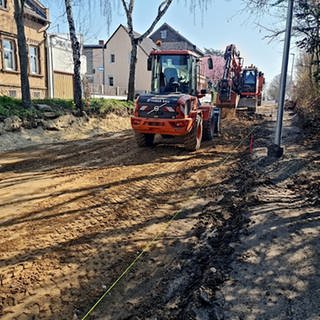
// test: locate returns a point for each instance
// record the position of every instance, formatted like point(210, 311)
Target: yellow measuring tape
point(154, 239)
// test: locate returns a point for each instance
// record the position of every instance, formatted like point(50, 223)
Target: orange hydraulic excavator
point(240, 88)
point(252, 82)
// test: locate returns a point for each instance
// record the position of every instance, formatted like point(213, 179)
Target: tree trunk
point(77, 89)
point(132, 73)
point(128, 7)
point(23, 53)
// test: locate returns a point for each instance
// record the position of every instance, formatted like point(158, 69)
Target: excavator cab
point(251, 89)
point(249, 80)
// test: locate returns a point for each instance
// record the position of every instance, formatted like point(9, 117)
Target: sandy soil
point(81, 128)
point(74, 215)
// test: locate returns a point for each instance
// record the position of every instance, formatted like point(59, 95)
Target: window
point(173, 73)
point(36, 94)
point(34, 60)
point(250, 77)
point(111, 81)
point(163, 34)
point(9, 54)
point(3, 4)
point(112, 58)
point(12, 93)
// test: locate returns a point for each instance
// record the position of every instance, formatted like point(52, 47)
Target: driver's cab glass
point(171, 73)
point(249, 77)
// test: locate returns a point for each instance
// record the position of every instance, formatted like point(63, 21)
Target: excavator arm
point(228, 86)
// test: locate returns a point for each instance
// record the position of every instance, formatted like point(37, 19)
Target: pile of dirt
point(16, 134)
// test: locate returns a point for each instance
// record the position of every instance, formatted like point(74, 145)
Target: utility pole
point(275, 150)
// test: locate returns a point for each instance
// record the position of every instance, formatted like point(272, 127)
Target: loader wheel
point(144, 139)
point(252, 110)
point(211, 127)
point(192, 140)
point(208, 129)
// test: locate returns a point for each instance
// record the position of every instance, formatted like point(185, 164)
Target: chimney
point(101, 43)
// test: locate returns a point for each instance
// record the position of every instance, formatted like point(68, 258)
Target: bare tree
point(305, 29)
point(23, 52)
point(135, 41)
point(307, 13)
point(77, 90)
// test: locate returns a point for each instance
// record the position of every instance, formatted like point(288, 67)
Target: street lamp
point(291, 77)
point(275, 150)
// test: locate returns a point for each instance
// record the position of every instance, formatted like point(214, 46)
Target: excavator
point(173, 107)
point(252, 82)
point(240, 88)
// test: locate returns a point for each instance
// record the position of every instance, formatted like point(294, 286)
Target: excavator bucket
point(247, 104)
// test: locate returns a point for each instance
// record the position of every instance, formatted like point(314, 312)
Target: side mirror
point(210, 63)
point(149, 63)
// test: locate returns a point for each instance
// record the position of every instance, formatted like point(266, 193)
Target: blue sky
point(223, 22)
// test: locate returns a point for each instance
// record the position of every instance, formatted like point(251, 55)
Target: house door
point(63, 85)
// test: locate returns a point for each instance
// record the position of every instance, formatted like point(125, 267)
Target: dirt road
point(74, 215)
point(243, 243)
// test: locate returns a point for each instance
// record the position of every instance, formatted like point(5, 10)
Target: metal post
point(293, 56)
point(276, 150)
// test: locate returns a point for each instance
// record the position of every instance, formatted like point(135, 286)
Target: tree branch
point(129, 9)
point(163, 7)
point(125, 7)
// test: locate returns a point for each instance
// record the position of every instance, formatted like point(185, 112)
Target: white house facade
point(117, 63)
point(60, 65)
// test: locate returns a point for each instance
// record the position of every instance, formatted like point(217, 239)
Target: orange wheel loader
point(173, 108)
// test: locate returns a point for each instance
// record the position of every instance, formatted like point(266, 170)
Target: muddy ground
point(276, 268)
point(75, 215)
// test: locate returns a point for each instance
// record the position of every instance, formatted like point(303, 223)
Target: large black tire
point(144, 139)
point(259, 101)
point(252, 109)
point(192, 140)
point(211, 127)
point(208, 129)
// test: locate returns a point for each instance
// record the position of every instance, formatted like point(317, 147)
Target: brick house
point(36, 23)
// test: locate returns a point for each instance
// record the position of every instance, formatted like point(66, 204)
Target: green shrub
point(13, 107)
point(104, 106)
